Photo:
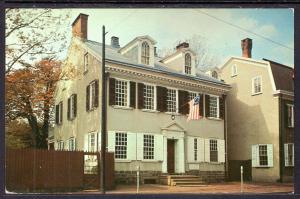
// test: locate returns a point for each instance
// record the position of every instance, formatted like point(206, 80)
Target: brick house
point(144, 91)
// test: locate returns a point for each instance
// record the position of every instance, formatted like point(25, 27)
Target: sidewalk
point(218, 188)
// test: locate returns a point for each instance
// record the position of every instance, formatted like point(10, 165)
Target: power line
point(244, 29)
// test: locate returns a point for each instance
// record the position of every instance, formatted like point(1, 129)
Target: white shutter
point(286, 155)
point(206, 150)
point(158, 147)
point(56, 145)
point(131, 146)
point(190, 149)
point(99, 141)
point(270, 155)
point(255, 156)
point(86, 142)
point(200, 150)
point(221, 151)
point(140, 146)
point(111, 140)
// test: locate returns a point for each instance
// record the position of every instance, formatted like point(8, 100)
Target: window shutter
point(158, 147)
point(190, 149)
point(112, 94)
point(96, 93)
point(255, 157)
point(69, 108)
point(221, 151)
point(132, 94)
point(75, 105)
point(200, 150)
point(222, 106)
point(61, 113)
point(56, 114)
point(74, 144)
point(293, 154)
point(207, 114)
point(286, 155)
point(207, 150)
point(161, 99)
point(201, 106)
point(111, 141)
point(86, 142)
point(183, 102)
point(88, 98)
point(270, 155)
point(131, 146)
point(140, 96)
point(140, 146)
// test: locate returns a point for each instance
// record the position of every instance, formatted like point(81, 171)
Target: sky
point(272, 30)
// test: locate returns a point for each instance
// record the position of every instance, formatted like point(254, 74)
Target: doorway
point(171, 156)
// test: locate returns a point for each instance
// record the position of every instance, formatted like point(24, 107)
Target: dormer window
point(188, 64)
point(145, 53)
point(214, 74)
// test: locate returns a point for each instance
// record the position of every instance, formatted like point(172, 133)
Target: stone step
point(187, 183)
point(187, 179)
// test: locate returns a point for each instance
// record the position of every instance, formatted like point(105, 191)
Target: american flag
point(194, 109)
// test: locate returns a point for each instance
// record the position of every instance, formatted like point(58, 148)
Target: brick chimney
point(79, 26)
point(182, 45)
point(114, 42)
point(246, 45)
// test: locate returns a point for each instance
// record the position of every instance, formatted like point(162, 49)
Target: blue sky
point(167, 26)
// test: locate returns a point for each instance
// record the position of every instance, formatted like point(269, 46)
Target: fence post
point(137, 178)
point(242, 180)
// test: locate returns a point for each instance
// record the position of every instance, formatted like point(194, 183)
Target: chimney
point(114, 42)
point(182, 45)
point(246, 45)
point(79, 26)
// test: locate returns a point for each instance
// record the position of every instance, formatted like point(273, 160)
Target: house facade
point(147, 108)
point(260, 109)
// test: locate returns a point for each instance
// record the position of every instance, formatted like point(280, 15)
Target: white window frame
point(60, 145)
point(90, 147)
point(86, 62)
point(120, 143)
point(176, 95)
point(154, 93)
point(147, 148)
point(73, 146)
point(290, 110)
point(210, 147)
point(267, 165)
point(186, 66)
point(233, 70)
point(127, 92)
point(145, 58)
point(253, 85)
point(218, 106)
point(286, 153)
point(92, 87)
point(72, 110)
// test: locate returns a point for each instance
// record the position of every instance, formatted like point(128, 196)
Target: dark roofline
point(288, 67)
point(78, 17)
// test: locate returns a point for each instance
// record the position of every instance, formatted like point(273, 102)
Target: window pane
point(263, 155)
point(121, 146)
point(213, 146)
point(213, 106)
point(171, 100)
point(149, 97)
point(149, 147)
point(121, 93)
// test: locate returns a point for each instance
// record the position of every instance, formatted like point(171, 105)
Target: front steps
point(181, 180)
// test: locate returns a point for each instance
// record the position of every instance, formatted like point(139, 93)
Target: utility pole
point(103, 117)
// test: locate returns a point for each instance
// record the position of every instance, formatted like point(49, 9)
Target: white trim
point(233, 70)
point(271, 77)
point(172, 57)
point(154, 100)
point(128, 94)
point(254, 62)
point(284, 92)
point(253, 86)
point(292, 115)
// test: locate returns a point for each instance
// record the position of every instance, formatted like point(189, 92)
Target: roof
point(283, 76)
point(113, 55)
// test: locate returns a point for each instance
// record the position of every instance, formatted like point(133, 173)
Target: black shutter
point(207, 114)
point(132, 94)
point(183, 98)
point(56, 114)
point(161, 99)
point(140, 96)
point(222, 107)
point(69, 108)
point(96, 100)
point(201, 105)
point(112, 94)
point(75, 105)
point(88, 98)
point(61, 113)
point(286, 114)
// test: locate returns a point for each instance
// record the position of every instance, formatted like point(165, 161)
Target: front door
point(171, 156)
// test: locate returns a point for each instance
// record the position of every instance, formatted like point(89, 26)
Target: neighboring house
point(144, 91)
point(213, 72)
point(260, 112)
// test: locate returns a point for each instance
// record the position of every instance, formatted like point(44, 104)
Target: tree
point(33, 34)
point(17, 135)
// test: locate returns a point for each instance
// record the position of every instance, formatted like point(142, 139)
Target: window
point(192, 95)
point(72, 144)
point(59, 113)
point(92, 142)
point(149, 147)
point(188, 64)
point(145, 53)
point(213, 147)
point(214, 106)
point(214, 74)
point(263, 155)
point(149, 96)
point(256, 85)
point(72, 106)
point(195, 149)
point(289, 154)
point(290, 116)
point(121, 146)
point(171, 100)
point(92, 95)
point(60, 145)
point(233, 70)
point(121, 89)
point(86, 62)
